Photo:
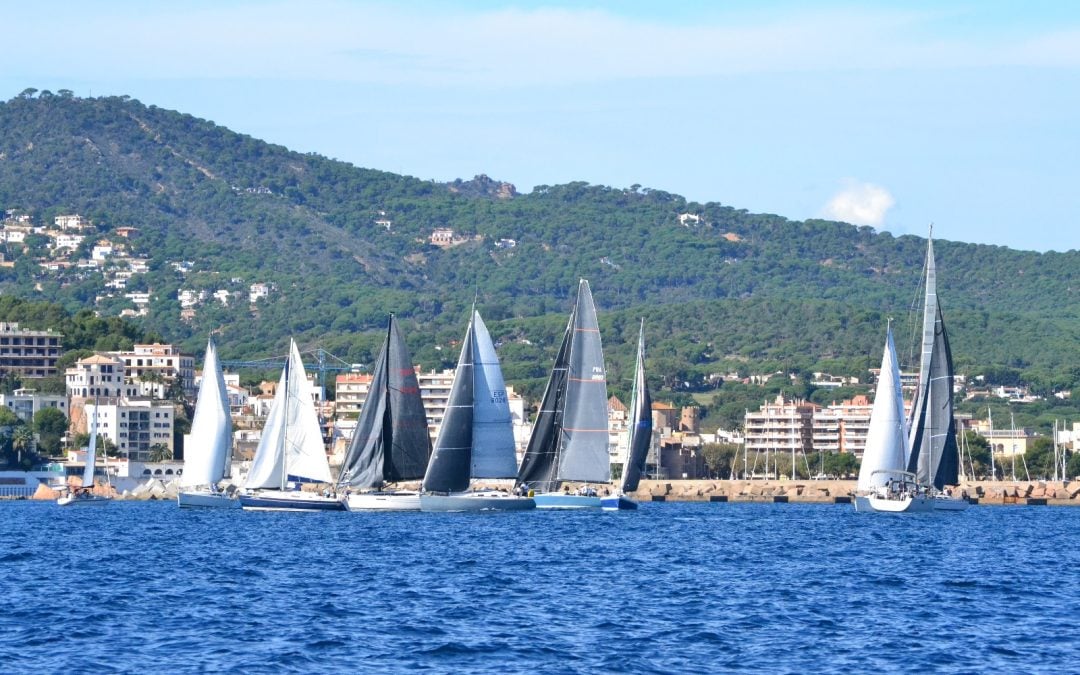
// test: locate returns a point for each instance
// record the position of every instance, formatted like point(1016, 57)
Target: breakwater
point(1032, 493)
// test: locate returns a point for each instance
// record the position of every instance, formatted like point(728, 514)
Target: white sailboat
point(391, 441)
point(290, 450)
point(206, 448)
point(932, 453)
point(84, 496)
point(884, 482)
point(476, 440)
point(640, 433)
point(569, 441)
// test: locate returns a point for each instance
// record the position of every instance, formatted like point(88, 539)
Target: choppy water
point(671, 588)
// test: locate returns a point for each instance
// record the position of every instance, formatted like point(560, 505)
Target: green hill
point(342, 246)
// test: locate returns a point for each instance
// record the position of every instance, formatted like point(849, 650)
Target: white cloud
point(860, 204)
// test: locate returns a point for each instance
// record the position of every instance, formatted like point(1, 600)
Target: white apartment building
point(133, 426)
point(164, 360)
point(352, 390)
point(70, 222)
point(435, 393)
point(97, 376)
point(781, 426)
point(25, 403)
point(842, 427)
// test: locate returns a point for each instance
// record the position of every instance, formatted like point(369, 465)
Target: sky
point(889, 114)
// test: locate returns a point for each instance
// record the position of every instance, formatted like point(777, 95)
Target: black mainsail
point(640, 422)
point(932, 451)
point(391, 441)
point(570, 435)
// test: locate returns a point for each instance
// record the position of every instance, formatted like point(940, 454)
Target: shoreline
point(985, 493)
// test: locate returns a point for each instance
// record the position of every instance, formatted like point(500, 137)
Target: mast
point(284, 450)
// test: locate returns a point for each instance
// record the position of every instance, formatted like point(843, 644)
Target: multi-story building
point(163, 364)
point(134, 426)
point(842, 427)
point(351, 392)
point(435, 393)
point(29, 353)
point(97, 376)
point(26, 402)
point(781, 426)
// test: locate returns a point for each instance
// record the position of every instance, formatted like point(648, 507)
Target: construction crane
point(324, 362)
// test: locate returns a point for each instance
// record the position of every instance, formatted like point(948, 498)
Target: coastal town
point(134, 395)
point(137, 395)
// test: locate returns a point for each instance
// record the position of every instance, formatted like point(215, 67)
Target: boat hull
point(561, 500)
point(275, 500)
point(83, 500)
point(618, 503)
point(487, 500)
point(383, 501)
point(907, 504)
point(943, 503)
point(205, 499)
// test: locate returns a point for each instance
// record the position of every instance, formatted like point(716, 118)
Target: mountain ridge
point(344, 246)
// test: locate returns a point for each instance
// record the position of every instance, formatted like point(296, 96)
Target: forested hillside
point(721, 289)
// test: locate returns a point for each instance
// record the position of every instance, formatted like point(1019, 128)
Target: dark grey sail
point(640, 422)
point(449, 468)
point(933, 455)
point(538, 465)
point(391, 441)
point(570, 437)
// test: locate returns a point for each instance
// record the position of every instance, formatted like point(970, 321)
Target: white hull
point(562, 500)
point(383, 501)
point(206, 499)
point(279, 500)
point(906, 504)
point(486, 500)
point(943, 503)
point(82, 500)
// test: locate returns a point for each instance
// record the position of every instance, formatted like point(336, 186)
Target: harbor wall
point(1060, 493)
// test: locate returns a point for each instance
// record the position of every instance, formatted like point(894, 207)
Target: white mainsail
point(291, 443)
point(493, 433)
point(91, 452)
point(886, 439)
point(206, 448)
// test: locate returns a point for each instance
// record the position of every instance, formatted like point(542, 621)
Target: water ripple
point(673, 588)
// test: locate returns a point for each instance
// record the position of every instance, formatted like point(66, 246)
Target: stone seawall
point(1059, 493)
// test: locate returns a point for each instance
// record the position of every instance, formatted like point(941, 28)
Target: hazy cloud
point(452, 44)
point(860, 204)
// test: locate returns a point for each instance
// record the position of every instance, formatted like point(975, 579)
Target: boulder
point(45, 493)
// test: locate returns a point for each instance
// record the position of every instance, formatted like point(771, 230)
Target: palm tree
point(22, 439)
point(159, 452)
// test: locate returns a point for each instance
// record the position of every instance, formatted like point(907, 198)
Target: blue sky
point(885, 114)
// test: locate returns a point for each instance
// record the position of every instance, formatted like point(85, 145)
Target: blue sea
point(671, 588)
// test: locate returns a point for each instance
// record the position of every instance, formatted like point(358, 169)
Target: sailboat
point(884, 482)
point(640, 433)
point(206, 448)
point(391, 441)
point(476, 440)
point(932, 453)
point(84, 495)
point(569, 440)
point(291, 449)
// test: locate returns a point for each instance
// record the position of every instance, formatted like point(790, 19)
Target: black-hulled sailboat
point(932, 452)
point(570, 437)
point(391, 442)
point(476, 440)
point(640, 433)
